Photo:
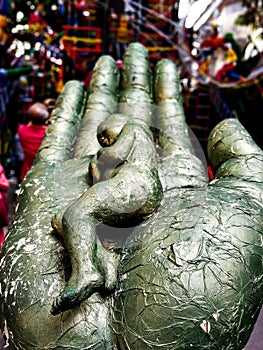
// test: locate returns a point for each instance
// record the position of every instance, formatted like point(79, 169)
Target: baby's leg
point(81, 244)
point(126, 198)
point(93, 267)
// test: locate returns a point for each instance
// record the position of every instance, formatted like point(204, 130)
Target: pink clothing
point(4, 215)
point(30, 137)
point(2, 236)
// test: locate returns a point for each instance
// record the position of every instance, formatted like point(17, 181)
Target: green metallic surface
point(136, 71)
point(189, 275)
point(126, 191)
point(102, 100)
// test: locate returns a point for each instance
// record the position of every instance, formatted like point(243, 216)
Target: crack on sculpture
point(173, 258)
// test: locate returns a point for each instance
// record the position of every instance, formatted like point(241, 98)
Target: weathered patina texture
point(189, 274)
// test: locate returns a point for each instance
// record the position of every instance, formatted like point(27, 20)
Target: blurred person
point(32, 134)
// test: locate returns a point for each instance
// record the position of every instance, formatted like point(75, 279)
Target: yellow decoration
point(85, 40)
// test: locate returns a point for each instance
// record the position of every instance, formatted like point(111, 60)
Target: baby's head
point(110, 128)
point(50, 104)
point(38, 113)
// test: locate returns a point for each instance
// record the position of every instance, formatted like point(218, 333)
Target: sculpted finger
point(63, 124)
point(180, 166)
point(101, 103)
point(136, 85)
point(170, 121)
point(136, 71)
point(233, 152)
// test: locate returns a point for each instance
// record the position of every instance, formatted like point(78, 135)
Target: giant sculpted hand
point(119, 159)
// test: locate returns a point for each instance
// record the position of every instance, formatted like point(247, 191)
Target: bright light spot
point(19, 16)
point(20, 50)
point(54, 7)
point(20, 27)
point(204, 18)
point(27, 45)
point(37, 46)
point(196, 44)
point(195, 11)
point(195, 66)
point(32, 7)
point(59, 61)
point(184, 82)
point(183, 8)
point(27, 58)
point(194, 52)
point(86, 13)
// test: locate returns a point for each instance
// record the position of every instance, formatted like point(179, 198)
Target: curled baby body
point(131, 145)
point(130, 194)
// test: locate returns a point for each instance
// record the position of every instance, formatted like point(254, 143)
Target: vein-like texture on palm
point(190, 274)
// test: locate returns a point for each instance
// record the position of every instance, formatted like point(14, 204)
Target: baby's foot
point(108, 262)
point(77, 290)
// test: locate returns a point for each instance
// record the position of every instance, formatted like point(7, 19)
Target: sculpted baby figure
point(127, 191)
